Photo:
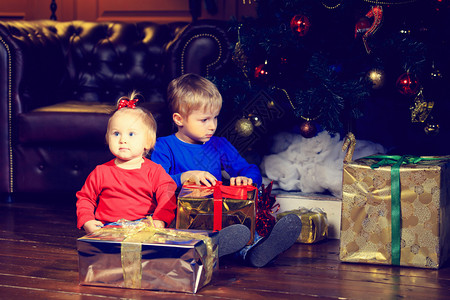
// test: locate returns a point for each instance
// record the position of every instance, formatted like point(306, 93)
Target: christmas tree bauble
point(362, 26)
point(376, 76)
point(308, 129)
point(432, 128)
point(408, 84)
point(244, 127)
point(300, 25)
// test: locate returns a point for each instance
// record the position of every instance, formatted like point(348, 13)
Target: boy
point(193, 154)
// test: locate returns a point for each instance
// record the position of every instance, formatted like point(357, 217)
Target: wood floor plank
point(38, 260)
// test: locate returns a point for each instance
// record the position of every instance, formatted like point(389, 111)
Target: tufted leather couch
point(60, 80)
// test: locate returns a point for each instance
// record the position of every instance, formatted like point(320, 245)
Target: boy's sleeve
point(163, 155)
point(165, 189)
point(236, 165)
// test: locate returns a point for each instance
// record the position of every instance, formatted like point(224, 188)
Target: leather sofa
point(59, 82)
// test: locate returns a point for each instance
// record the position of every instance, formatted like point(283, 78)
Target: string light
point(331, 7)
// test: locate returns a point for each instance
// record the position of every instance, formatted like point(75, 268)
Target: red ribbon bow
point(221, 191)
point(127, 103)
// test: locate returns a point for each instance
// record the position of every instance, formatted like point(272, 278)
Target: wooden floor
point(38, 260)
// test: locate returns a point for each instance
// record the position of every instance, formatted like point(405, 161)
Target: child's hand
point(198, 178)
point(92, 225)
point(159, 224)
point(241, 180)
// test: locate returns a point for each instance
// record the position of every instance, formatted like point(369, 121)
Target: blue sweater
point(177, 157)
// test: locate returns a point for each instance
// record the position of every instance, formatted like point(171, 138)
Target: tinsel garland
point(265, 207)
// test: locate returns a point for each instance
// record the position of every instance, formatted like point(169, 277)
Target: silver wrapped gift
point(143, 257)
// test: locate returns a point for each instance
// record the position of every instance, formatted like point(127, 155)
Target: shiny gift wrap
point(143, 257)
point(314, 224)
point(197, 208)
point(397, 213)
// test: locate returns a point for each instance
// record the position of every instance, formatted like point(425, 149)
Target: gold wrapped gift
point(314, 224)
point(137, 255)
point(197, 208)
point(395, 210)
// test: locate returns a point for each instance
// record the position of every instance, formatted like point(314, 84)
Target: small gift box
point(329, 204)
point(395, 210)
point(137, 255)
point(314, 224)
point(216, 207)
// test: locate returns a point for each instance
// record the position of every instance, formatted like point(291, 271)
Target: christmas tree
point(376, 68)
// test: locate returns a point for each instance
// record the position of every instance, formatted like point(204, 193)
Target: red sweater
point(111, 193)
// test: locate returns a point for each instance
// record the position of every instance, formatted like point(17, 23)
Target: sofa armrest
point(5, 117)
point(201, 47)
point(26, 48)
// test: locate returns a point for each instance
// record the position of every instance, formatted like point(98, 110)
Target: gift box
point(395, 211)
point(137, 255)
point(314, 224)
point(216, 207)
point(330, 205)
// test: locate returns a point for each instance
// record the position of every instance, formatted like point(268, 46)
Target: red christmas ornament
point(407, 84)
point(261, 71)
point(300, 25)
point(362, 26)
point(308, 129)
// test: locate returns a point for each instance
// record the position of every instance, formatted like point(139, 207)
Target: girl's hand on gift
point(92, 225)
point(241, 180)
point(198, 178)
point(159, 224)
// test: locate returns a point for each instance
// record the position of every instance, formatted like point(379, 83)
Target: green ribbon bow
point(396, 161)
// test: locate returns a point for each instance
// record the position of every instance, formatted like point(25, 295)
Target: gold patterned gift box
point(135, 255)
point(314, 224)
point(214, 208)
point(395, 211)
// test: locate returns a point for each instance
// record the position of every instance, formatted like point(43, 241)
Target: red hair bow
point(127, 103)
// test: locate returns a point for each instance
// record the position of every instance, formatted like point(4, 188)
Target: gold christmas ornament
point(376, 76)
point(432, 128)
point(421, 108)
point(244, 127)
point(239, 57)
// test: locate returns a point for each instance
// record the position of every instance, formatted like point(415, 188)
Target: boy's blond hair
point(191, 92)
point(139, 114)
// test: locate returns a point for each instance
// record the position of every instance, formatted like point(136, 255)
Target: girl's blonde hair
point(140, 114)
point(191, 92)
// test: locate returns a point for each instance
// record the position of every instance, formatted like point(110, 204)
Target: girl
point(130, 186)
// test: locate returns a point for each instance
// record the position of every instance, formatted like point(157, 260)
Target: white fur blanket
point(311, 165)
